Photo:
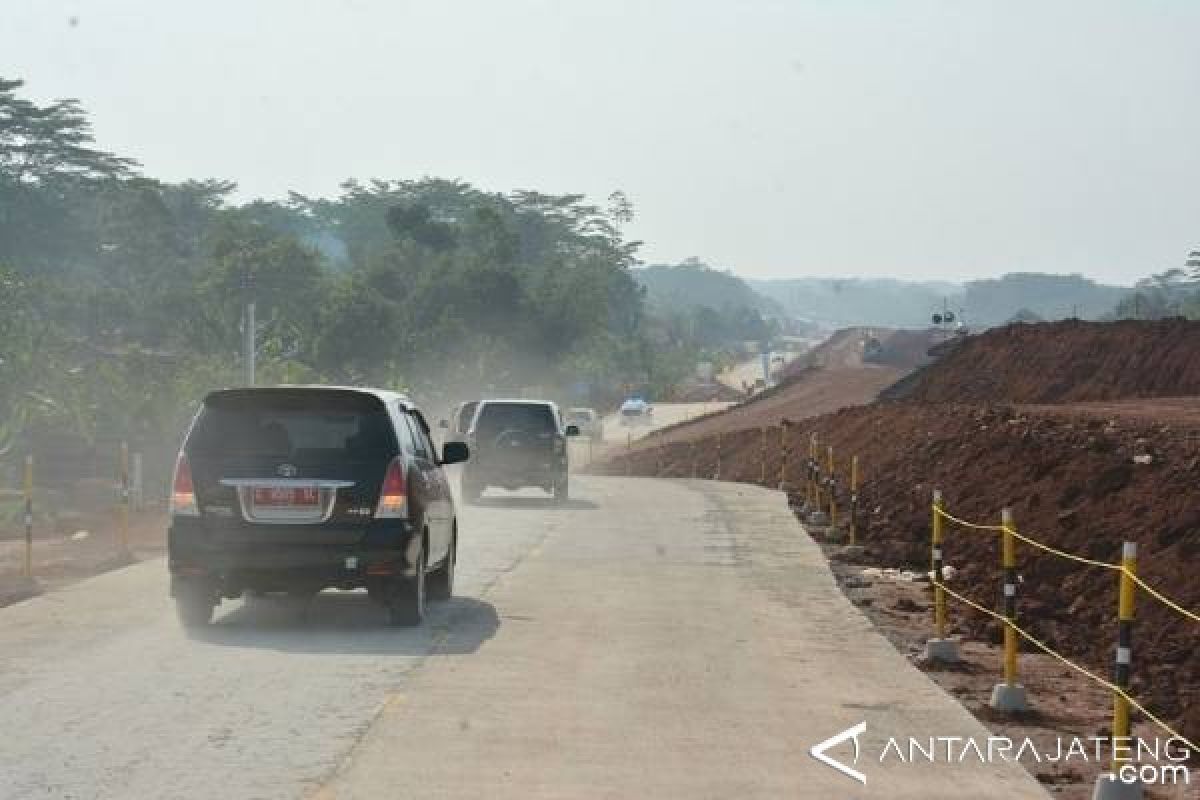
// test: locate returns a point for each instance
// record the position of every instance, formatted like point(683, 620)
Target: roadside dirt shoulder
point(62, 559)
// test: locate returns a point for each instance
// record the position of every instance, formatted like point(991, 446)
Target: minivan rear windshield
point(496, 418)
point(300, 426)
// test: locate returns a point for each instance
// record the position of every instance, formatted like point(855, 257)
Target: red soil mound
point(1060, 362)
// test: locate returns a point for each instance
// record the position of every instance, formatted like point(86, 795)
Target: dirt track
point(1183, 411)
point(832, 376)
point(818, 392)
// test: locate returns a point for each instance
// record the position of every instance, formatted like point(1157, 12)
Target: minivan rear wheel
point(194, 605)
point(441, 580)
point(406, 605)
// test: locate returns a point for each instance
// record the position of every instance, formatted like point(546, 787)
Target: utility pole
point(249, 329)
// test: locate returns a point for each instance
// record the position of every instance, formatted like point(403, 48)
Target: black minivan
point(299, 489)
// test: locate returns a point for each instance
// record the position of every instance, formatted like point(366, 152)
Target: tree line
point(1174, 292)
point(122, 296)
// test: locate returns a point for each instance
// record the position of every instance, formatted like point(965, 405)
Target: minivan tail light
point(393, 496)
point(183, 491)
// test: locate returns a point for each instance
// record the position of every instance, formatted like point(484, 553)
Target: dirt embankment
point(832, 376)
point(1069, 361)
point(60, 558)
point(706, 393)
point(1083, 477)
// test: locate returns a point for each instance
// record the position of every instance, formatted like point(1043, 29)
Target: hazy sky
point(947, 139)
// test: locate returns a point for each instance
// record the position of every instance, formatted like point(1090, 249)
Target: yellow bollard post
point(939, 595)
point(124, 509)
point(28, 564)
point(832, 492)
point(854, 500)
point(1009, 695)
point(808, 503)
point(814, 474)
point(717, 471)
point(762, 456)
point(1127, 594)
point(1009, 564)
point(939, 648)
point(783, 454)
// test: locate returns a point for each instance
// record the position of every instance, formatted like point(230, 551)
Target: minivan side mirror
point(572, 430)
point(454, 453)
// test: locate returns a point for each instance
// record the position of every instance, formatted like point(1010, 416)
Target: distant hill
point(842, 302)
point(1050, 297)
point(984, 303)
point(693, 284)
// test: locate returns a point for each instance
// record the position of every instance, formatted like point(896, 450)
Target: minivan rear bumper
point(194, 556)
point(511, 473)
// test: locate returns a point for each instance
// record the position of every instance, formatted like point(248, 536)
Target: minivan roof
point(518, 400)
point(384, 395)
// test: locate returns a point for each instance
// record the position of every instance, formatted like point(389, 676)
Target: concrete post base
point(1009, 697)
point(944, 650)
point(1109, 787)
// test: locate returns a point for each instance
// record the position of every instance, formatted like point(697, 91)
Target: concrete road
point(653, 639)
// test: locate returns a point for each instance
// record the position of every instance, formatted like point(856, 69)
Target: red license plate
point(290, 497)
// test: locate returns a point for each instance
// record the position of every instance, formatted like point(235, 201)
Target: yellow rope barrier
point(1091, 562)
point(964, 523)
point(1160, 597)
point(1126, 571)
point(1109, 685)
